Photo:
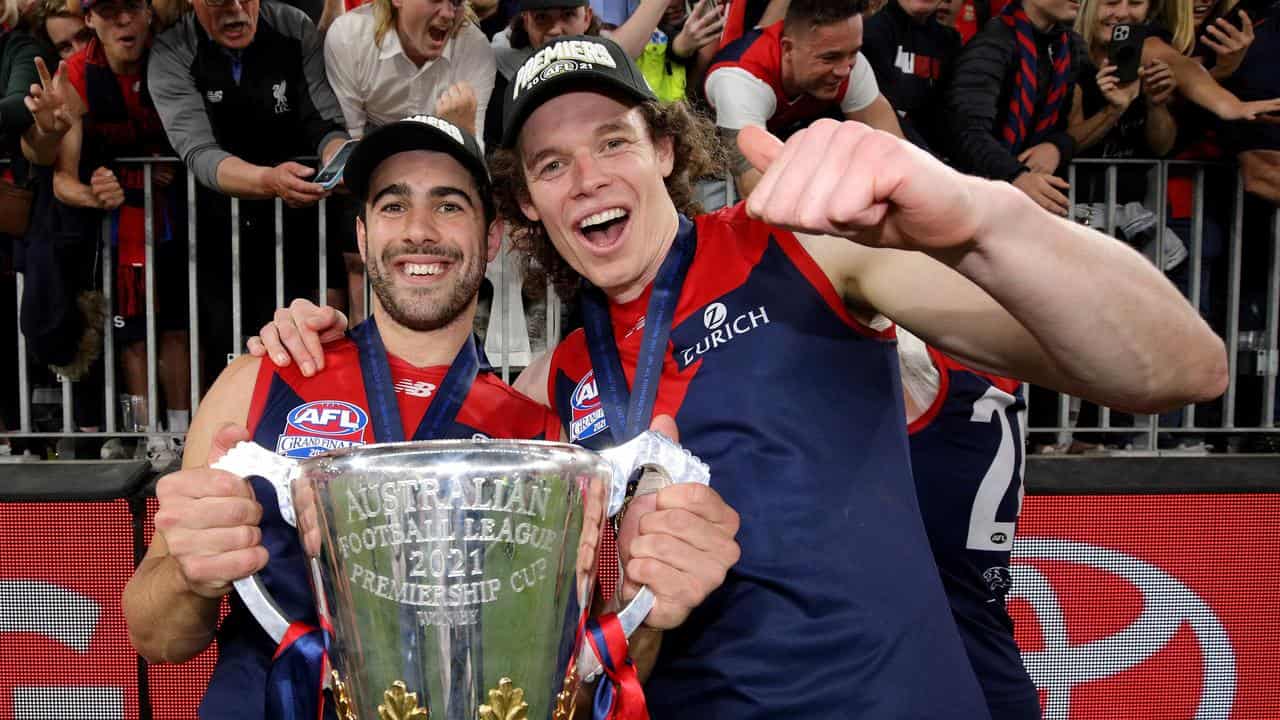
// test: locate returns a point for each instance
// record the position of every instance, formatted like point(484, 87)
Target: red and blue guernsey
point(759, 53)
point(835, 608)
point(300, 417)
point(967, 454)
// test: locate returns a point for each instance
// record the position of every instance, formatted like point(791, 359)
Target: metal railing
point(507, 335)
point(500, 343)
point(1149, 427)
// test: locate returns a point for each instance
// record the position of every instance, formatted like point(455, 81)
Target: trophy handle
point(246, 459)
point(647, 451)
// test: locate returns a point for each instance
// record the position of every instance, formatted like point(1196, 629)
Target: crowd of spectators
point(253, 96)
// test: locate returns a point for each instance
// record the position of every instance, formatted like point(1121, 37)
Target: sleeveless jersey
point(759, 52)
point(835, 608)
point(967, 454)
point(300, 417)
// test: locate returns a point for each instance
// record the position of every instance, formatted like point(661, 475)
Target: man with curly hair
point(771, 351)
point(774, 350)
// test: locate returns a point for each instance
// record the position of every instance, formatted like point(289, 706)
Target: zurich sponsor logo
point(585, 397)
point(721, 329)
point(713, 317)
point(328, 417)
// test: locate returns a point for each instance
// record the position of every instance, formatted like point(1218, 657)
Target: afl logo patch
point(558, 68)
point(585, 397)
point(713, 317)
point(586, 415)
point(328, 417)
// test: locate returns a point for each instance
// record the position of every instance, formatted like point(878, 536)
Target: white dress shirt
point(379, 84)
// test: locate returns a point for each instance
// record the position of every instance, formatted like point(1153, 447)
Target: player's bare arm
point(206, 532)
point(978, 270)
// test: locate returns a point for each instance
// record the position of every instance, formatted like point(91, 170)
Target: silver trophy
point(456, 575)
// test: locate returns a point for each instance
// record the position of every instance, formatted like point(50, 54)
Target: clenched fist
point(210, 522)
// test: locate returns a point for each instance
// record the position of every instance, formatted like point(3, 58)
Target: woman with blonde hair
point(1169, 25)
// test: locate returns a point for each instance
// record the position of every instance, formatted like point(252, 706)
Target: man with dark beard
point(425, 233)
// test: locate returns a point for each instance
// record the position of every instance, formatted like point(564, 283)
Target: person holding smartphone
point(1115, 117)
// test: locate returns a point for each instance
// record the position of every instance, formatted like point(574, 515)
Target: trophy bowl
point(454, 577)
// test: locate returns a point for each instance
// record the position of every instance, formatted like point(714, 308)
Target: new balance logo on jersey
point(721, 329)
point(414, 388)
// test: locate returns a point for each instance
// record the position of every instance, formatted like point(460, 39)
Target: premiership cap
point(418, 132)
point(550, 4)
point(571, 63)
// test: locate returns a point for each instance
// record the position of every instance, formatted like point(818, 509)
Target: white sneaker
point(162, 455)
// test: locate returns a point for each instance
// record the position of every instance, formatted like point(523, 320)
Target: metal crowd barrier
point(1262, 359)
point(500, 345)
point(507, 327)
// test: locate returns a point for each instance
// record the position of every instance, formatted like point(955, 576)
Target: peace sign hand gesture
point(47, 101)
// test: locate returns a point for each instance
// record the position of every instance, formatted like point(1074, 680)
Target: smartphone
point(1125, 51)
point(329, 176)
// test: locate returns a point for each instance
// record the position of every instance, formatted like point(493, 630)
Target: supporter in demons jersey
point(785, 76)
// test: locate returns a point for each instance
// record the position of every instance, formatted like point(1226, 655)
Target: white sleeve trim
point(740, 98)
point(863, 89)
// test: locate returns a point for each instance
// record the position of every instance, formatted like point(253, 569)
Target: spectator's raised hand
point(288, 181)
point(210, 522)
point(704, 25)
point(1117, 96)
point(457, 104)
point(48, 100)
point(1042, 158)
point(1045, 189)
point(106, 189)
point(1158, 82)
point(297, 334)
point(1228, 42)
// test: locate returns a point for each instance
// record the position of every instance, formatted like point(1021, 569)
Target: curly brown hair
point(698, 154)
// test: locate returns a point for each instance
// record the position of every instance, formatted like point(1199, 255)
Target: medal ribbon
point(629, 411)
point(380, 392)
point(622, 697)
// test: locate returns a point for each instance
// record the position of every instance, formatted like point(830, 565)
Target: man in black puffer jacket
point(1008, 124)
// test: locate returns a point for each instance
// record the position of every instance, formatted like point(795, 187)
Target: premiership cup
point(456, 575)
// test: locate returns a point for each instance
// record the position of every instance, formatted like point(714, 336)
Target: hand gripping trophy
point(454, 578)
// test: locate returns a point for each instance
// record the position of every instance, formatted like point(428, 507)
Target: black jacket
point(977, 99)
point(911, 61)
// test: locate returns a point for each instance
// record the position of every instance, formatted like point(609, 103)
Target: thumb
point(666, 425)
point(299, 170)
point(759, 146)
point(226, 438)
point(1022, 156)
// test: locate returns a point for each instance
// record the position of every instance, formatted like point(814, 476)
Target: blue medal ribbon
point(380, 392)
point(629, 411)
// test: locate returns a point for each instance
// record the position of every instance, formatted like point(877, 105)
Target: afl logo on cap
point(557, 68)
point(328, 417)
point(585, 397)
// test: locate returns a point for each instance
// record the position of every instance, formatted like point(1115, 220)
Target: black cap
point(549, 4)
point(419, 132)
point(570, 63)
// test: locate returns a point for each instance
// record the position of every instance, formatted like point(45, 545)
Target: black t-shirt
point(910, 60)
point(1126, 139)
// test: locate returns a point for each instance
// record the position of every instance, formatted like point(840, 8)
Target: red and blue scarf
point(1021, 127)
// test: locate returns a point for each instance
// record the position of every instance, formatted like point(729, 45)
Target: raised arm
point(1197, 85)
point(207, 533)
point(976, 269)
